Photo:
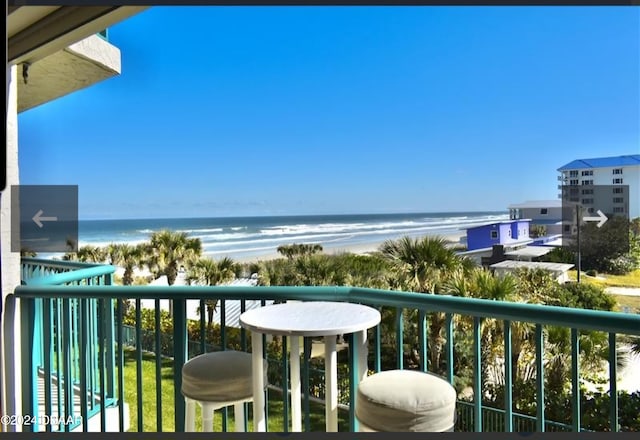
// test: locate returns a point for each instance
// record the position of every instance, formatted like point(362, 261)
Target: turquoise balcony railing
point(83, 295)
point(68, 355)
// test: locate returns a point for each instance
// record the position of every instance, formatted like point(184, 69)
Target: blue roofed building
point(506, 233)
point(621, 172)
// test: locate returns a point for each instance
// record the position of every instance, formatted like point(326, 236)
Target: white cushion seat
point(405, 401)
point(215, 380)
point(220, 376)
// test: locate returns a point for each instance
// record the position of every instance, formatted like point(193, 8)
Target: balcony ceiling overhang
point(34, 32)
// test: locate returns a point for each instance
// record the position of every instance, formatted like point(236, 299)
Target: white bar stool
point(217, 380)
point(405, 401)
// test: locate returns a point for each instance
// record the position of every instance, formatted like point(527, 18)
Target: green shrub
point(560, 255)
point(582, 296)
point(621, 265)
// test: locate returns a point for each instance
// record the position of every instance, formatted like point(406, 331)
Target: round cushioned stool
point(405, 401)
point(216, 380)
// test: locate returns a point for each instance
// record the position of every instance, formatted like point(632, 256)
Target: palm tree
point(206, 271)
point(295, 250)
point(279, 272)
point(481, 283)
point(319, 270)
point(635, 346)
point(364, 270)
point(128, 257)
point(502, 288)
point(87, 254)
point(168, 251)
point(424, 265)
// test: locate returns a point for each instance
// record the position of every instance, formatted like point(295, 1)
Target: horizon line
point(296, 215)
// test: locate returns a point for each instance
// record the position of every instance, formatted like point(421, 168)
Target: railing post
point(613, 386)
point(400, 337)
point(422, 340)
point(48, 355)
point(450, 346)
point(65, 349)
point(477, 374)
point(30, 379)
point(508, 379)
point(540, 417)
point(305, 380)
point(84, 355)
point(354, 373)
point(358, 370)
point(92, 316)
point(179, 357)
point(38, 354)
point(109, 337)
point(158, 359)
point(139, 398)
point(35, 322)
point(120, 365)
point(575, 378)
point(103, 305)
point(377, 361)
point(285, 380)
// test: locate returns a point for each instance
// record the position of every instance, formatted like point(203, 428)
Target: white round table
point(314, 318)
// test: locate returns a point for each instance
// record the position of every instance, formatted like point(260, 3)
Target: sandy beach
point(359, 249)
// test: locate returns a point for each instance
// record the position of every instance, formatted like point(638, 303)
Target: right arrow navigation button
point(601, 219)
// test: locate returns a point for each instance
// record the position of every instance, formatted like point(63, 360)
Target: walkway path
point(627, 291)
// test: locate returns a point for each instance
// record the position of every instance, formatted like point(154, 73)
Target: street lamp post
point(578, 239)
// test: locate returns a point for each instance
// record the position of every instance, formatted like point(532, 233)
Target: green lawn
point(632, 302)
point(631, 279)
point(275, 407)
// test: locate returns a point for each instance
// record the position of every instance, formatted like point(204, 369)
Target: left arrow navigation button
point(44, 218)
point(39, 218)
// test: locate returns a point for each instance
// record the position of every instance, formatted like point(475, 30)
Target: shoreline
point(358, 249)
point(366, 248)
point(254, 239)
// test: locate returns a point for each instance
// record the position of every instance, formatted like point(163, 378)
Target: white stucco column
point(10, 260)
point(10, 328)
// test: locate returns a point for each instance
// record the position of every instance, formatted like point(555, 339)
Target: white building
point(619, 171)
point(547, 213)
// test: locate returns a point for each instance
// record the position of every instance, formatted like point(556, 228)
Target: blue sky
point(309, 110)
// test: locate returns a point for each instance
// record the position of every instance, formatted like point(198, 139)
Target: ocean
point(247, 237)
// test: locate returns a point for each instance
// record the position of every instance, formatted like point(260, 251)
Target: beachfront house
point(64, 348)
point(622, 173)
point(545, 213)
point(506, 233)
